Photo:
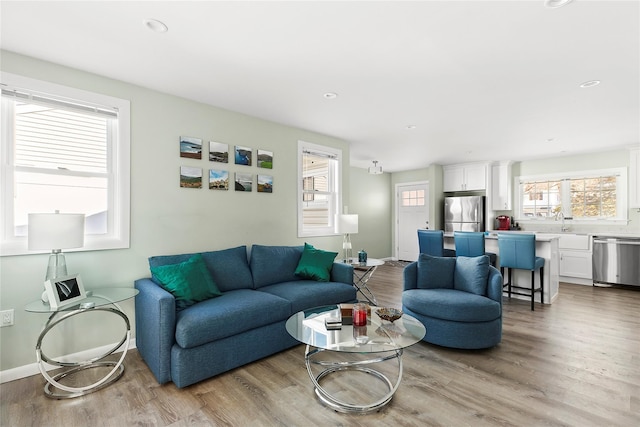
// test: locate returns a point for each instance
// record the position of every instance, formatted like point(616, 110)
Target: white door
point(412, 207)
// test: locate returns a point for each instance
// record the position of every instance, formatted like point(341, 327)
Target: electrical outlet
point(6, 318)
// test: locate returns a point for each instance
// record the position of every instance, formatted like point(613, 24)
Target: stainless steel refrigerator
point(465, 213)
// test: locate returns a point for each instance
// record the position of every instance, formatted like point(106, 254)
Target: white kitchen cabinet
point(501, 186)
point(634, 178)
point(575, 256)
point(465, 177)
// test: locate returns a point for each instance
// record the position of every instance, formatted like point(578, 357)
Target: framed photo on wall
point(190, 148)
point(265, 184)
point(218, 180)
point(190, 177)
point(244, 182)
point(265, 159)
point(243, 155)
point(218, 152)
point(63, 291)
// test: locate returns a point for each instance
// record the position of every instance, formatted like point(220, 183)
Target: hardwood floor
point(573, 363)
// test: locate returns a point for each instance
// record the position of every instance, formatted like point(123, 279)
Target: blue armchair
point(459, 300)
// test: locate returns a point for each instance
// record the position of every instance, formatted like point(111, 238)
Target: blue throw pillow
point(435, 272)
point(188, 281)
point(315, 264)
point(471, 274)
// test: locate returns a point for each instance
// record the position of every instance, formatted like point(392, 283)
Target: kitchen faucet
point(563, 227)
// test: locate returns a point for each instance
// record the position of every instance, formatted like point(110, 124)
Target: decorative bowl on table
point(389, 314)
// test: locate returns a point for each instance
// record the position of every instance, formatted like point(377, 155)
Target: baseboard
point(33, 369)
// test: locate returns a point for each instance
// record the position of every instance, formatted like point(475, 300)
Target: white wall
point(165, 218)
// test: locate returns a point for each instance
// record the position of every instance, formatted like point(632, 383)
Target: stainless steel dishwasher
point(616, 260)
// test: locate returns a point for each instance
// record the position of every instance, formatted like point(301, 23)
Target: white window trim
point(621, 201)
point(119, 201)
point(331, 229)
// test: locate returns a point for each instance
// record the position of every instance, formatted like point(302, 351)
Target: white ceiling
point(480, 80)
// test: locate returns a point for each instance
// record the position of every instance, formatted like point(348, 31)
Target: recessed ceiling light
point(155, 25)
point(330, 95)
point(554, 4)
point(590, 83)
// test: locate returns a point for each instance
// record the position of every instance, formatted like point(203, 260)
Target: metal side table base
point(67, 392)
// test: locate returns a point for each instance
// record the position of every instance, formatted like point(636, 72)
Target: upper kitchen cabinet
point(634, 178)
point(501, 186)
point(465, 177)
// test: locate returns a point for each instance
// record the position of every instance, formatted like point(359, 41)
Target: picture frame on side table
point(65, 290)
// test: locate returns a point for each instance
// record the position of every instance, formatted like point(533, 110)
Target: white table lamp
point(347, 225)
point(55, 231)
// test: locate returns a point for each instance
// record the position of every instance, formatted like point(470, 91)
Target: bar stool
point(471, 243)
point(431, 242)
point(519, 251)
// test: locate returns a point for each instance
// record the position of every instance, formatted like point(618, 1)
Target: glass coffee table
point(354, 350)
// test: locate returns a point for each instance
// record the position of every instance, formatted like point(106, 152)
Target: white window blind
point(66, 154)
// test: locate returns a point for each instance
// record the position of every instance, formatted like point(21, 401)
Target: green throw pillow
point(315, 264)
point(189, 281)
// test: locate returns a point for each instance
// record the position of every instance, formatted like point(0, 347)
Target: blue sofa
point(245, 323)
point(459, 300)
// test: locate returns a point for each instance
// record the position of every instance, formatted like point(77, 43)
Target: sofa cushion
point(230, 314)
point(304, 294)
point(315, 264)
point(451, 304)
point(188, 281)
point(471, 274)
point(228, 267)
point(435, 272)
point(274, 264)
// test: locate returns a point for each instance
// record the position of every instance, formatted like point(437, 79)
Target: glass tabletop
point(98, 296)
point(309, 328)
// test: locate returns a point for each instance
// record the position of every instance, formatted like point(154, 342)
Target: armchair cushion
point(188, 281)
point(315, 264)
point(436, 272)
point(450, 304)
point(471, 274)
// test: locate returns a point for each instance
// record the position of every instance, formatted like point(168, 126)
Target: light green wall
point(432, 175)
point(371, 199)
point(165, 218)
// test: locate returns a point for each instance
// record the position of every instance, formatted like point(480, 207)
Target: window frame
point(119, 174)
point(564, 178)
point(335, 193)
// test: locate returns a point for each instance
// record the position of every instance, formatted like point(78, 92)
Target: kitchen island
point(546, 247)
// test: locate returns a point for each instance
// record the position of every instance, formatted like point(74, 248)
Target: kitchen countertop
point(493, 234)
point(546, 235)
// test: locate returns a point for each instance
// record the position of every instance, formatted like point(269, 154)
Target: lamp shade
point(348, 224)
point(55, 231)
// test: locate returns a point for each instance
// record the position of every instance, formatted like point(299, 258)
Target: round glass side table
point(100, 299)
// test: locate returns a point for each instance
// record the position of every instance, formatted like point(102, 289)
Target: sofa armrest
point(341, 272)
point(410, 275)
point(155, 327)
point(494, 285)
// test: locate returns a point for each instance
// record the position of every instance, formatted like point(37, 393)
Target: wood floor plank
point(575, 362)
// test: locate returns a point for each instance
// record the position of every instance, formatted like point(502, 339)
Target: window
point(412, 198)
point(318, 189)
point(67, 150)
point(590, 195)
